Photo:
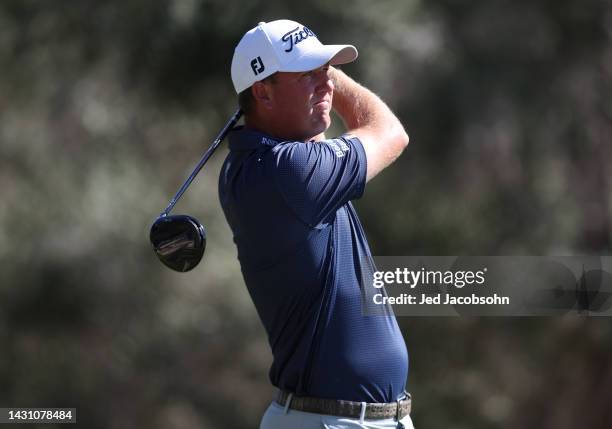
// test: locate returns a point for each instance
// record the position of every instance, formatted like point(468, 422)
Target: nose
point(324, 81)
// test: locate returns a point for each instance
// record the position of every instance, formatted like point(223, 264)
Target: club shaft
point(230, 124)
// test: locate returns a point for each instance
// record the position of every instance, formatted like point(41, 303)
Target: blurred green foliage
point(104, 108)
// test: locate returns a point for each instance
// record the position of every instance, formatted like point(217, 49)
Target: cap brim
point(333, 54)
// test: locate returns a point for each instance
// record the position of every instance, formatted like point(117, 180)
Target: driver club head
point(179, 241)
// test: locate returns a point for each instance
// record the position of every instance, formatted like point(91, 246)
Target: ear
point(262, 93)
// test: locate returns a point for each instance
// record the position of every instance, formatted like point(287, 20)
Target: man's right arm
point(368, 118)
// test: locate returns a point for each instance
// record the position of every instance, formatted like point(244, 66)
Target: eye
point(305, 78)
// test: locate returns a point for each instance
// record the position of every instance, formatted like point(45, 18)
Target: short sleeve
point(317, 178)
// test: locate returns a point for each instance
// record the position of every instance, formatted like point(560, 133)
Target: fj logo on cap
point(257, 65)
point(294, 36)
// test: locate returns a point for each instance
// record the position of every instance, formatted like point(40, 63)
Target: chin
point(322, 124)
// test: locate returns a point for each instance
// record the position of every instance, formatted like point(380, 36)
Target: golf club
point(179, 241)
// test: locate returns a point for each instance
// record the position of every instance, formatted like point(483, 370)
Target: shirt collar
point(241, 138)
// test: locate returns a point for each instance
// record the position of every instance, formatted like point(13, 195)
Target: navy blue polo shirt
point(303, 252)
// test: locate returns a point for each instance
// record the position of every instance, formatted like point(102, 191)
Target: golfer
point(286, 191)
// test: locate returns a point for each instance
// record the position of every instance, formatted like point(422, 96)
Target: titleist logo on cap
point(296, 36)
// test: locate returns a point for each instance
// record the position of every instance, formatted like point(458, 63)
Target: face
point(300, 103)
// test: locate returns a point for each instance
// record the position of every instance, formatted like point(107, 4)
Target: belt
point(341, 408)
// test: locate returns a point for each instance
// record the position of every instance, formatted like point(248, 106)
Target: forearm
point(367, 117)
point(358, 106)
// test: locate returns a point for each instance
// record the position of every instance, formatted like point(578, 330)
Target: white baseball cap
point(284, 46)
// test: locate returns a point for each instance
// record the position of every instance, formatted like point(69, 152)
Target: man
point(286, 190)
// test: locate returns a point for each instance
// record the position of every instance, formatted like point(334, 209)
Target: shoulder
point(300, 153)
